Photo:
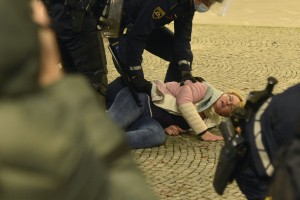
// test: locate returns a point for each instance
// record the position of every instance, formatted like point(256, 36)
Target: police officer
point(272, 127)
point(142, 27)
point(80, 46)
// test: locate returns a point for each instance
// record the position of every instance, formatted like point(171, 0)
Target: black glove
point(199, 79)
point(187, 75)
point(141, 85)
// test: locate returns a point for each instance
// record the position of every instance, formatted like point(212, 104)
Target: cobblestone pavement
point(228, 57)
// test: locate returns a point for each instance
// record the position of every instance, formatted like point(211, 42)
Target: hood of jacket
point(211, 96)
point(19, 49)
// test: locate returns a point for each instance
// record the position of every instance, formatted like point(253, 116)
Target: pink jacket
point(181, 100)
point(188, 93)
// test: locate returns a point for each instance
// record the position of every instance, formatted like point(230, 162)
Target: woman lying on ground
point(171, 107)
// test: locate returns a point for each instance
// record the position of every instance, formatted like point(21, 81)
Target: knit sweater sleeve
point(192, 117)
point(186, 97)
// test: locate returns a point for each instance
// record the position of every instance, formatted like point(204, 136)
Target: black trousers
point(166, 37)
point(81, 51)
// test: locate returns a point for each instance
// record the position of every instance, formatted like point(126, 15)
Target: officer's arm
point(184, 99)
point(137, 36)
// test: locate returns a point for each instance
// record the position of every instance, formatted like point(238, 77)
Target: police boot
point(99, 82)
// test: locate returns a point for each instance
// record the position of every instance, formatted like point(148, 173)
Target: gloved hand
point(199, 79)
point(141, 85)
point(187, 75)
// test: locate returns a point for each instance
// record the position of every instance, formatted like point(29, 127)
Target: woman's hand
point(209, 137)
point(173, 130)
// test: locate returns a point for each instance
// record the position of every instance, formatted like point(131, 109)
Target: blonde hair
point(239, 94)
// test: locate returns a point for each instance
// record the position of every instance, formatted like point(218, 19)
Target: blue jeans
point(141, 130)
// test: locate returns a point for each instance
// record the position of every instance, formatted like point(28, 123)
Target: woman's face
point(226, 103)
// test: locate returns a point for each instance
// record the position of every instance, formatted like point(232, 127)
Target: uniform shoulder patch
point(158, 13)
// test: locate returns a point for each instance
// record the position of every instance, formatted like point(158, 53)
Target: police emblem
point(158, 13)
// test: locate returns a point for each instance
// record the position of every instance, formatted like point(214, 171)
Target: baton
point(123, 74)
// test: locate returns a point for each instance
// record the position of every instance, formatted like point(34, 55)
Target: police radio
point(235, 144)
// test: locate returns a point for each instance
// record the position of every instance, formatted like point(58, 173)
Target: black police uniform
point(273, 126)
point(142, 27)
point(80, 46)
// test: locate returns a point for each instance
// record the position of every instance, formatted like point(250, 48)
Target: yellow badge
point(158, 13)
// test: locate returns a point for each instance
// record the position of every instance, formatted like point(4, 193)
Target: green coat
point(58, 144)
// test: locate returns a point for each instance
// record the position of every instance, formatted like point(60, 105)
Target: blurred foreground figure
point(56, 143)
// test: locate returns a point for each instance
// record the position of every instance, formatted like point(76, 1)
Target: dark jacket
point(272, 127)
point(144, 17)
